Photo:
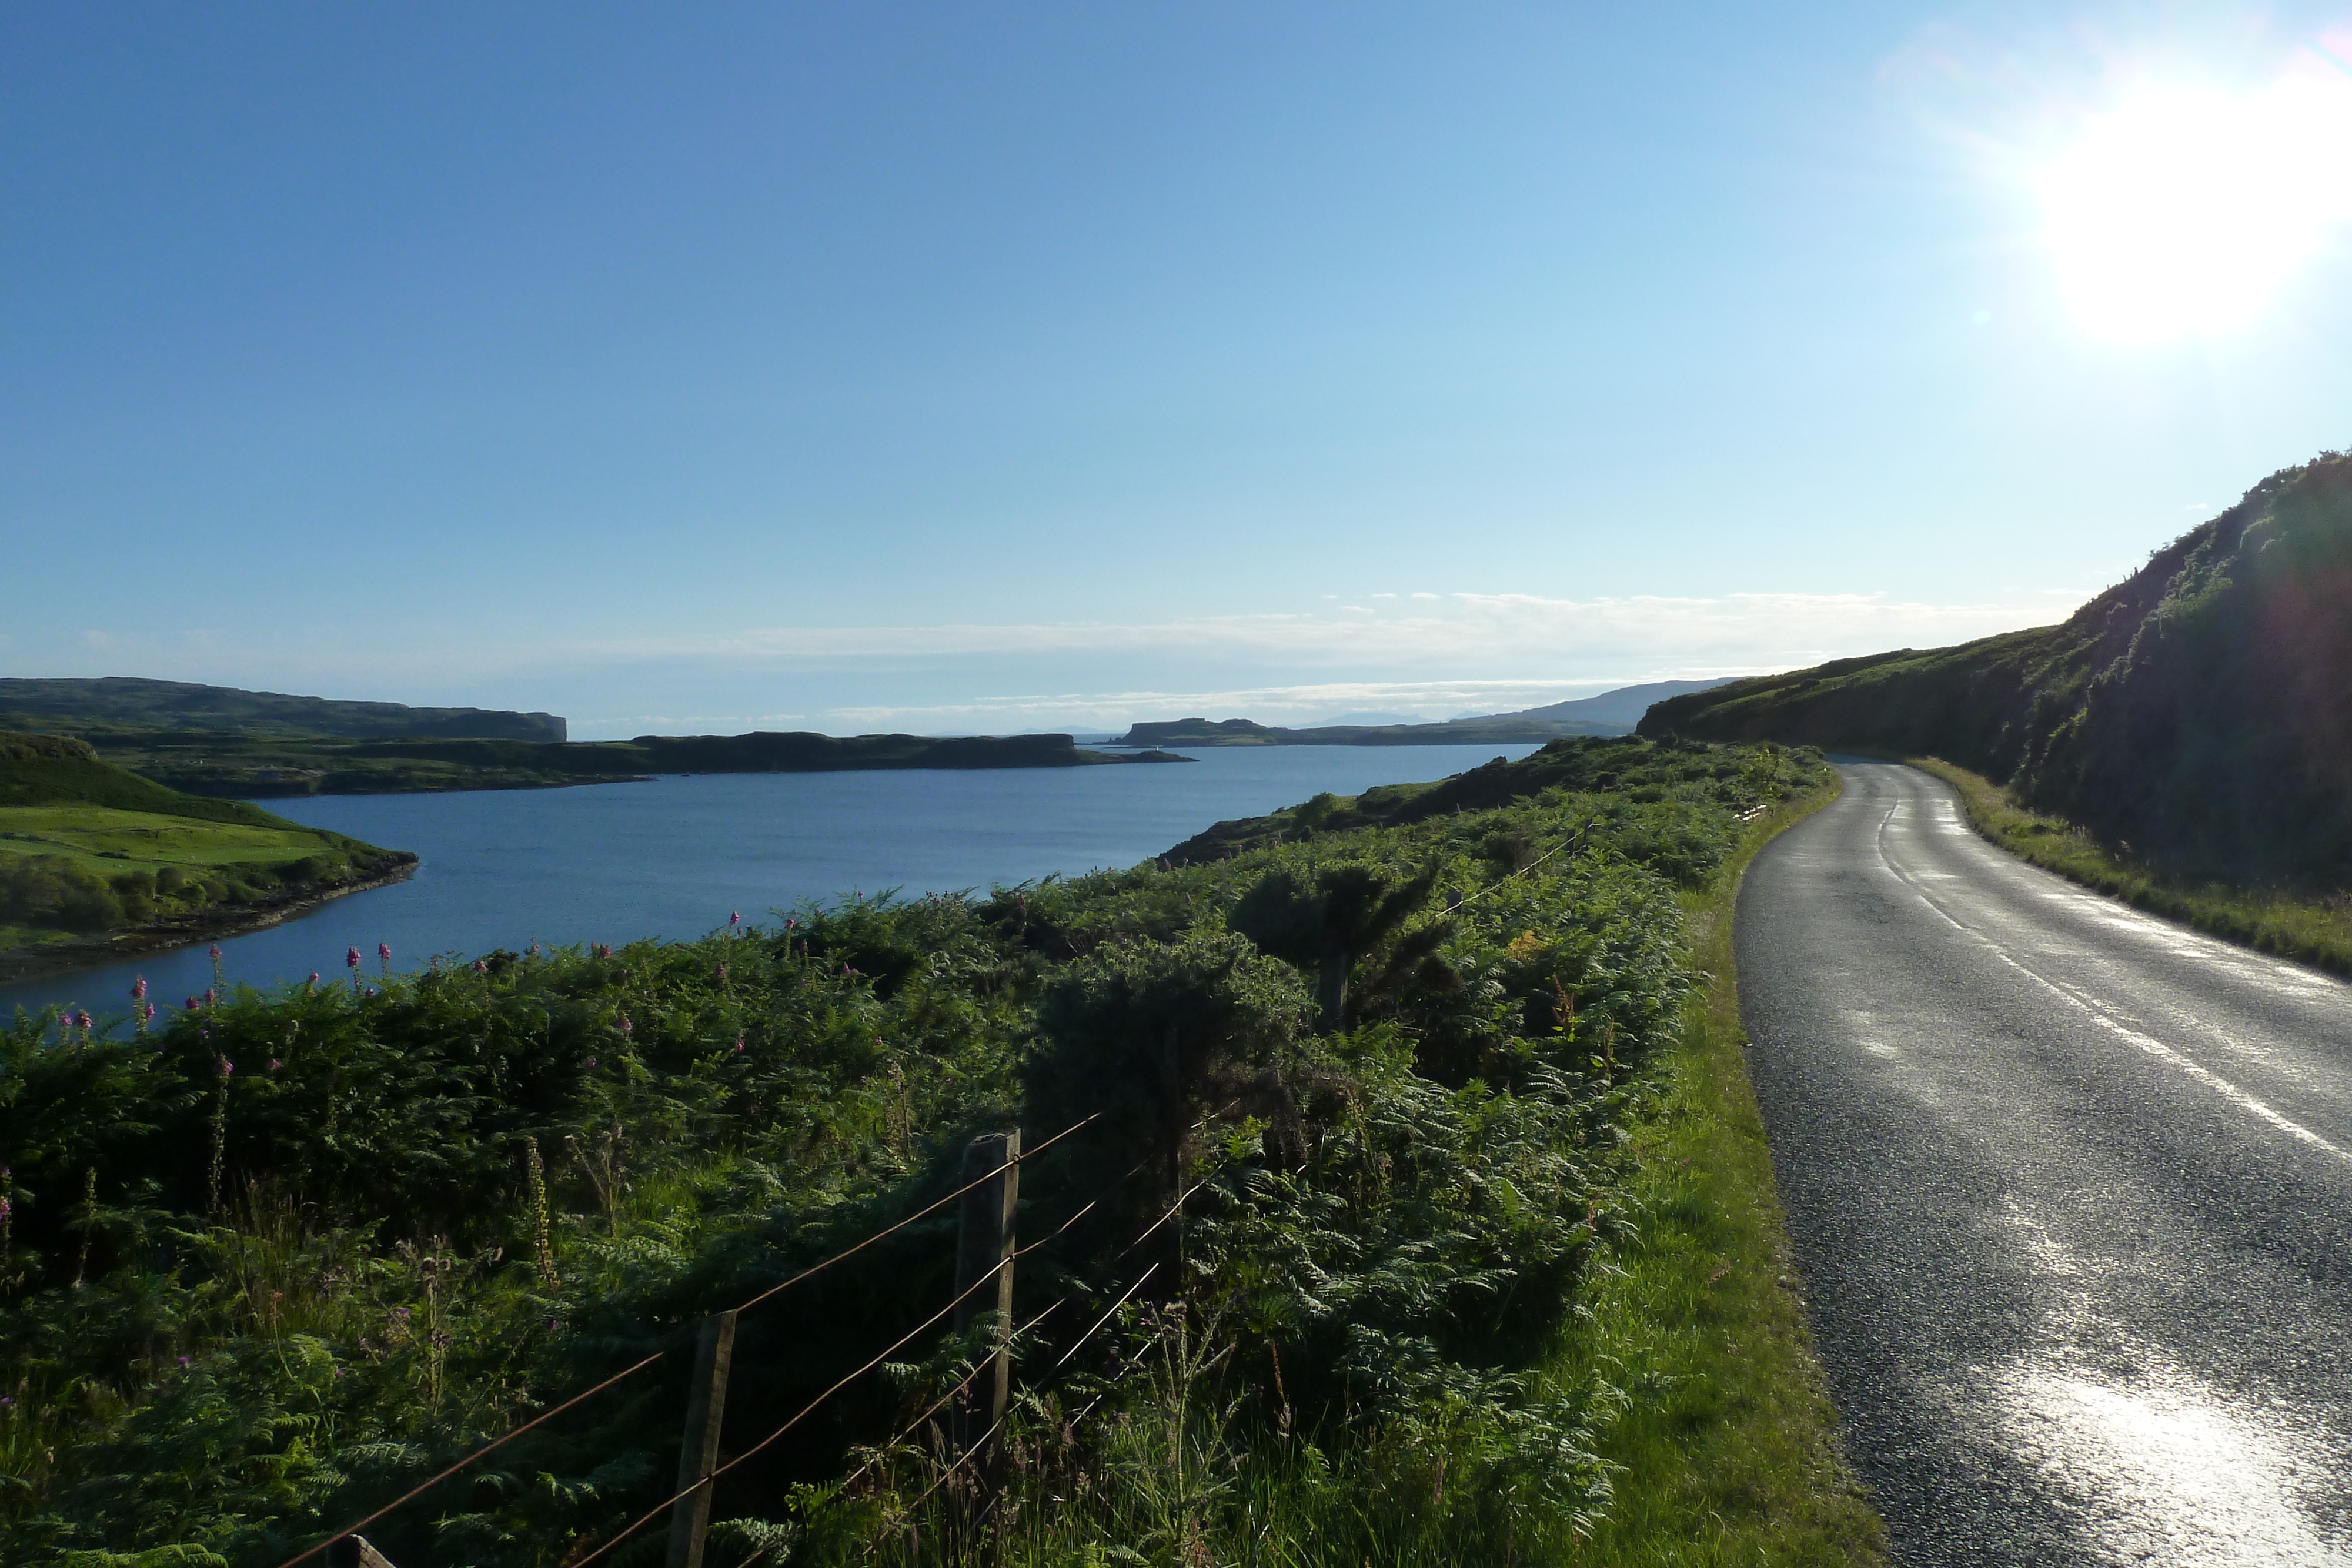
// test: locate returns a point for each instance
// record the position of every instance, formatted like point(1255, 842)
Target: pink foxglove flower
point(351, 959)
point(626, 1026)
point(139, 989)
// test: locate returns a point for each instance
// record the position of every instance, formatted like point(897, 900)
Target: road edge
point(2303, 930)
point(1729, 1446)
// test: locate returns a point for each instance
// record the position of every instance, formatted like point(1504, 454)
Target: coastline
point(185, 930)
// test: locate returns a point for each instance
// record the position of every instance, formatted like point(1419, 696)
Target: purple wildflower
point(139, 989)
point(275, 1064)
point(351, 959)
point(227, 1066)
point(626, 1026)
point(592, 1062)
point(82, 1017)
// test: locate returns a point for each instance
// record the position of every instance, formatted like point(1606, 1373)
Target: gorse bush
point(272, 1261)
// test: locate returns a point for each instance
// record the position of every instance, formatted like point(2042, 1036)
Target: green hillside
point(95, 861)
point(50, 770)
point(2197, 715)
point(119, 702)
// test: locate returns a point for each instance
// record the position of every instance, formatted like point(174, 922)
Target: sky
point(951, 369)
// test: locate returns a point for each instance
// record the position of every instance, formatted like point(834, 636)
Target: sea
point(677, 856)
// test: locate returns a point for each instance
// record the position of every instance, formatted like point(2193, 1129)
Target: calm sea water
point(672, 857)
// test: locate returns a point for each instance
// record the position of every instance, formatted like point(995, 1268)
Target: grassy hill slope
point(95, 861)
point(2197, 715)
point(88, 707)
point(50, 770)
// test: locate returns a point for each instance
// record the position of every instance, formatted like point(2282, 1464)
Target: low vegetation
point(89, 852)
point(1415, 1084)
point(2316, 931)
point(2194, 719)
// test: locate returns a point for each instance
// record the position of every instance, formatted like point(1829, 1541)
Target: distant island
point(1611, 713)
point(220, 742)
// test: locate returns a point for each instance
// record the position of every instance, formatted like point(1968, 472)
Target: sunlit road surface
point(2071, 1191)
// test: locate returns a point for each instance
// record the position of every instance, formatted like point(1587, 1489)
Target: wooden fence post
point(354, 1551)
point(698, 1454)
point(985, 1242)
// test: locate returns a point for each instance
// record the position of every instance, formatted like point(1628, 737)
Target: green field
point(112, 842)
point(90, 855)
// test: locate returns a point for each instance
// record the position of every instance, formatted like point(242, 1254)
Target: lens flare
point(2183, 209)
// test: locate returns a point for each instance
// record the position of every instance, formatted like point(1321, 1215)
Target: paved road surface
point(2070, 1189)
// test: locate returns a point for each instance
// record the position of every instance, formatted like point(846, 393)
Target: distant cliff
point(2200, 712)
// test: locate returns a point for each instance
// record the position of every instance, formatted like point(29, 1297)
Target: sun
point(2181, 209)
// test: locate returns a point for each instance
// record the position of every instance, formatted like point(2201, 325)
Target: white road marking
point(2101, 1015)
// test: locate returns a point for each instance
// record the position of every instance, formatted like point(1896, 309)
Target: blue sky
point(958, 368)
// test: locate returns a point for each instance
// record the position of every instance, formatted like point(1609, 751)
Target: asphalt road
point(2071, 1191)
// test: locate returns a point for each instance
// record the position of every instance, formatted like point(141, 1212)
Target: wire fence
point(969, 1452)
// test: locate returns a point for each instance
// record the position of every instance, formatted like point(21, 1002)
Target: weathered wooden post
point(698, 1454)
point(354, 1551)
point(984, 1243)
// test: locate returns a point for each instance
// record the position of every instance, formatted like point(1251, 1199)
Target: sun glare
point(2180, 211)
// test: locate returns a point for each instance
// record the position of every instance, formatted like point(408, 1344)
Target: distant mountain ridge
point(2200, 713)
point(1611, 713)
point(123, 702)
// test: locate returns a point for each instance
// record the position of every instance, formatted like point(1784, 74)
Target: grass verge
point(2310, 930)
point(1728, 1447)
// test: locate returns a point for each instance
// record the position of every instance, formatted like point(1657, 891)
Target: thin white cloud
point(1515, 627)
